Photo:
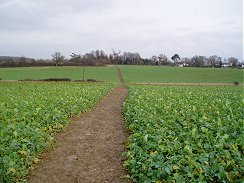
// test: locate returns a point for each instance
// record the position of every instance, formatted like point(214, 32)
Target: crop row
point(31, 113)
point(185, 134)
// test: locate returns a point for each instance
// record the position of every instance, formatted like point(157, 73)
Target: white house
point(225, 65)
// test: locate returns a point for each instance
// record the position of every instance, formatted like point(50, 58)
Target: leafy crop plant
point(29, 115)
point(185, 134)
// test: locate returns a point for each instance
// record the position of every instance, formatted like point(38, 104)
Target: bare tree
point(154, 59)
point(97, 54)
point(214, 61)
point(163, 59)
point(76, 58)
point(58, 58)
point(233, 61)
point(103, 55)
point(116, 56)
point(22, 61)
point(186, 61)
point(85, 60)
point(198, 61)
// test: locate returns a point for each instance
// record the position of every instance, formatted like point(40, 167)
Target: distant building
point(226, 65)
point(240, 66)
point(182, 65)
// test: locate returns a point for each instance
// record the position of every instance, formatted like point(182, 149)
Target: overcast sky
point(38, 28)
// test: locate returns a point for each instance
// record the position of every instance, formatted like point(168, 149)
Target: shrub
point(236, 83)
point(91, 80)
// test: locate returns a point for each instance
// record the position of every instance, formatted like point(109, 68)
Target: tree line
point(100, 58)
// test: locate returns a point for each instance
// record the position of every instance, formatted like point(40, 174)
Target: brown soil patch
point(119, 74)
point(90, 150)
point(184, 84)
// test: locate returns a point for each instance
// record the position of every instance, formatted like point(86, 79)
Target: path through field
point(119, 74)
point(91, 147)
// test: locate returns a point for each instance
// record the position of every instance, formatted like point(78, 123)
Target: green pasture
point(74, 73)
point(148, 74)
point(160, 74)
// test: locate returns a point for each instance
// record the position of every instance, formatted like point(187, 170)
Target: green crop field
point(31, 112)
point(74, 73)
point(158, 74)
point(154, 74)
point(185, 134)
point(178, 134)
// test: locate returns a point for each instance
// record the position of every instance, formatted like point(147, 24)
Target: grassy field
point(130, 73)
point(74, 73)
point(180, 75)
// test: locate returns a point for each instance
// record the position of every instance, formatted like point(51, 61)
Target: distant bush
point(91, 80)
point(56, 79)
point(49, 79)
point(236, 83)
point(27, 80)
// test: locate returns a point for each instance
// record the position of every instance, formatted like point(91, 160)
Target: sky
point(38, 28)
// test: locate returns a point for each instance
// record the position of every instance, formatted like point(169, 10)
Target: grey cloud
point(148, 27)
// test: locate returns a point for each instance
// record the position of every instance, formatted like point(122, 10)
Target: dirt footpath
point(90, 149)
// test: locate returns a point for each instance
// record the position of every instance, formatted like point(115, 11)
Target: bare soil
point(185, 84)
point(90, 149)
point(119, 74)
